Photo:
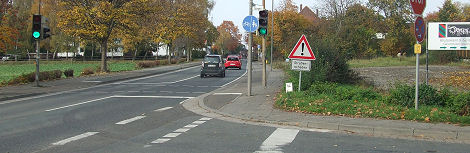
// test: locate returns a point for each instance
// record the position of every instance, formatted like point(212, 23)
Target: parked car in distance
point(213, 65)
point(233, 61)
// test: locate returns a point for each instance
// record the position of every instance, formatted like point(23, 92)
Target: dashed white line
point(160, 141)
point(180, 131)
point(171, 135)
point(205, 119)
point(199, 122)
point(92, 81)
point(198, 92)
point(190, 126)
point(130, 120)
point(81, 136)
point(279, 138)
point(163, 109)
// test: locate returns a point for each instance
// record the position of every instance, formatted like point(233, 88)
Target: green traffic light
point(262, 31)
point(36, 34)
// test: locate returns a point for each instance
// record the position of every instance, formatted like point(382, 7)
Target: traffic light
point(263, 22)
point(45, 28)
point(37, 26)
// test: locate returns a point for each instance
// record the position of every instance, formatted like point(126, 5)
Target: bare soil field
point(384, 78)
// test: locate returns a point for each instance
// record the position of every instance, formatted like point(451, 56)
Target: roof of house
point(309, 14)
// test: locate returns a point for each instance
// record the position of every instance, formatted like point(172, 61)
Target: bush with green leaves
point(404, 95)
point(461, 104)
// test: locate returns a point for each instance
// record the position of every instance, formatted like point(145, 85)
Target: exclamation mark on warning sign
point(302, 53)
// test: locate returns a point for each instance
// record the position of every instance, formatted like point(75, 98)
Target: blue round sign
point(250, 23)
point(420, 29)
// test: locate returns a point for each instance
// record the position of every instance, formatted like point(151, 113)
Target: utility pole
point(272, 33)
point(250, 38)
point(263, 57)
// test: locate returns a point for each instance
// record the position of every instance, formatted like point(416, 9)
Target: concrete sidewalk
point(258, 109)
point(55, 86)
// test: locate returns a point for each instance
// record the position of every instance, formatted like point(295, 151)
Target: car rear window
point(211, 59)
point(232, 59)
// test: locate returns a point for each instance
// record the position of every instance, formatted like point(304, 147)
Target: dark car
point(213, 65)
point(233, 62)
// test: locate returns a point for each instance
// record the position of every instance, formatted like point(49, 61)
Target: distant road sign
point(302, 50)
point(250, 23)
point(418, 6)
point(420, 29)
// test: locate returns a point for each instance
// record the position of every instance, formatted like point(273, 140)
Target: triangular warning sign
point(302, 50)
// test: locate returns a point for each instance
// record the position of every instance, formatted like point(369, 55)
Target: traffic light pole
point(36, 78)
point(250, 38)
point(272, 33)
point(263, 57)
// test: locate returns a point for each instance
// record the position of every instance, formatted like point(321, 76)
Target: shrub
point(68, 73)
point(173, 61)
point(404, 95)
point(461, 104)
point(164, 62)
point(31, 77)
point(148, 64)
point(87, 71)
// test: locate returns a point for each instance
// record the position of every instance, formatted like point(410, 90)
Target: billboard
point(449, 36)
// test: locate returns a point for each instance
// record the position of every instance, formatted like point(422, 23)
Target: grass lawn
point(10, 70)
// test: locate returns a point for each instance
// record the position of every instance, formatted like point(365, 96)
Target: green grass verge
point(10, 70)
point(324, 98)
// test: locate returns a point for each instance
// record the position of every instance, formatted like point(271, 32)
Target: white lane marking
point(205, 119)
point(198, 92)
point(92, 81)
point(132, 91)
point(171, 135)
point(160, 141)
point(235, 79)
point(182, 130)
point(81, 136)
point(319, 130)
point(169, 97)
point(130, 120)
point(75, 90)
point(81, 103)
point(156, 75)
point(199, 122)
point(227, 94)
point(190, 126)
point(202, 86)
point(181, 80)
point(167, 91)
point(143, 83)
point(163, 109)
point(181, 92)
point(280, 137)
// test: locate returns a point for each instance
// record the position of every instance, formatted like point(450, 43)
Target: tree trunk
point(169, 53)
point(135, 54)
point(104, 50)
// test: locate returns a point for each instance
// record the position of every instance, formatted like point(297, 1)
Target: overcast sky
point(236, 10)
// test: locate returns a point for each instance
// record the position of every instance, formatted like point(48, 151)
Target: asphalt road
point(145, 115)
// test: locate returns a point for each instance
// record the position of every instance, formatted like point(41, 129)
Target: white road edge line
point(81, 103)
point(163, 109)
point(280, 137)
point(130, 120)
point(92, 81)
point(81, 136)
point(235, 79)
point(169, 97)
point(227, 94)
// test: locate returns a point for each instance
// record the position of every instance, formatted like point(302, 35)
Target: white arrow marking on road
point(277, 139)
point(130, 120)
point(81, 136)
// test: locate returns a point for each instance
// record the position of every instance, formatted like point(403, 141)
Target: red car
point(233, 62)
